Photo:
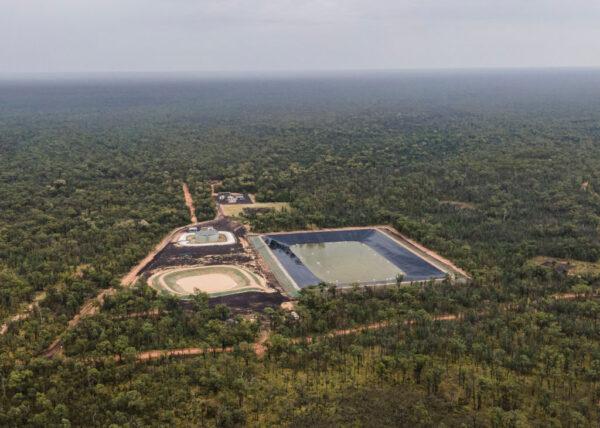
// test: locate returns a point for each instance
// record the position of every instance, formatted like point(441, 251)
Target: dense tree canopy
point(490, 170)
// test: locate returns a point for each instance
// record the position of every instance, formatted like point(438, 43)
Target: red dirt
point(128, 280)
point(189, 201)
point(384, 324)
point(213, 187)
point(573, 296)
point(132, 275)
point(91, 307)
point(153, 355)
point(260, 348)
point(134, 272)
point(17, 317)
point(24, 314)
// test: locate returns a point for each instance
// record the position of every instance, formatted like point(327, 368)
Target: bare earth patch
point(567, 266)
point(288, 306)
point(209, 283)
point(234, 210)
point(216, 280)
point(189, 202)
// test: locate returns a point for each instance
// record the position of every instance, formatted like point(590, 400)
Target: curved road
point(93, 305)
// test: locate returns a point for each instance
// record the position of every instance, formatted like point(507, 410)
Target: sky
point(39, 36)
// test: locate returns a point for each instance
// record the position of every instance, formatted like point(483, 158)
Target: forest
point(489, 169)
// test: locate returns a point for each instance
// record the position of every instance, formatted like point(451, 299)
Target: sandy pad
point(215, 280)
point(208, 283)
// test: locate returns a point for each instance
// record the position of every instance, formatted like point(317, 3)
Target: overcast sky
point(240, 35)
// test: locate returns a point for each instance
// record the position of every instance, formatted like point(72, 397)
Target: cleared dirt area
point(189, 201)
point(208, 283)
point(241, 254)
point(213, 280)
point(175, 254)
point(567, 266)
point(135, 271)
point(234, 210)
point(214, 185)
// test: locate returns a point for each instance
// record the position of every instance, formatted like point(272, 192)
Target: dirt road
point(260, 347)
point(213, 187)
point(93, 305)
point(132, 275)
point(573, 296)
point(189, 201)
point(24, 314)
point(90, 308)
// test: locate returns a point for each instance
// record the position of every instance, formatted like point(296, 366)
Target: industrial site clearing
point(219, 258)
point(250, 272)
point(212, 280)
point(368, 256)
point(205, 237)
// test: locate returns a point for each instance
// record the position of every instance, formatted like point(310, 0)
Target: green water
point(346, 262)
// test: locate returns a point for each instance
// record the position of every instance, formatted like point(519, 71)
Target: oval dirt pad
point(214, 280)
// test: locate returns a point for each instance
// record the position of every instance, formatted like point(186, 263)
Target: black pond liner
point(415, 267)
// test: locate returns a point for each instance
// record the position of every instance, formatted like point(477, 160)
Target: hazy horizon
point(133, 36)
point(537, 92)
point(283, 74)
